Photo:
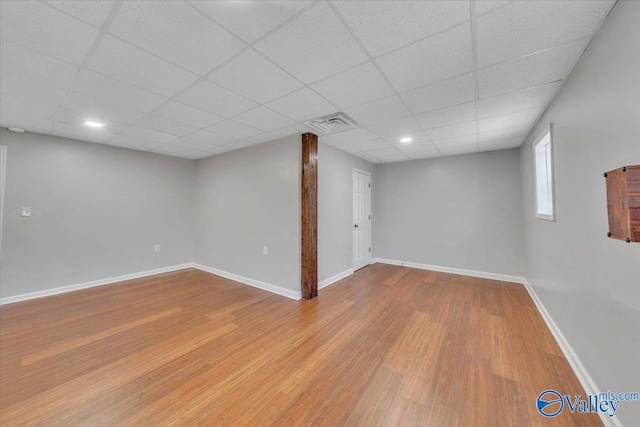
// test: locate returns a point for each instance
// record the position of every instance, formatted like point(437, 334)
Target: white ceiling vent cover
point(336, 122)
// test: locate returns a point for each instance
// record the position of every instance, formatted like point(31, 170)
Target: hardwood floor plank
point(386, 346)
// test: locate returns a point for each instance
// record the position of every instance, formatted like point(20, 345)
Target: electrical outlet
point(156, 248)
point(265, 250)
point(26, 211)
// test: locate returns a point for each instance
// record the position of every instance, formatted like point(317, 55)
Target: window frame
point(546, 217)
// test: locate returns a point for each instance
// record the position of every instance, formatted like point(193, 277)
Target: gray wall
point(458, 211)
point(589, 283)
point(247, 199)
point(97, 212)
point(335, 209)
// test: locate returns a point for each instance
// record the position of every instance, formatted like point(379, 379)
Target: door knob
point(355, 225)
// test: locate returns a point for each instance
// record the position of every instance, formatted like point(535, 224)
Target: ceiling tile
point(251, 20)
point(255, 77)
point(149, 134)
point(376, 144)
point(448, 116)
point(184, 113)
point(502, 144)
point(358, 85)
point(78, 131)
point(302, 105)
point(164, 125)
point(380, 111)
point(39, 27)
point(33, 90)
point(90, 11)
point(234, 129)
point(505, 133)
point(36, 124)
point(129, 64)
point(215, 99)
point(264, 119)
point(451, 131)
point(386, 25)
point(519, 119)
point(35, 66)
point(28, 107)
point(416, 146)
point(534, 70)
point(194, 41)
point(293, 129)
point(458, 149)
point(383, 152)
point(80, 109)
point(240, 143)
point(354, 135)
point(513, 102)
point(525, 27)
point(456, 140)
point(318, 45)
point(437, 58)
point(396, 128)
point(210, 138)
point(263, 137)
point(102, 89)
point(457, 90)
point(417, 138)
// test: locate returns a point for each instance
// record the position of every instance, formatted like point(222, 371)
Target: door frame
point(353, 265)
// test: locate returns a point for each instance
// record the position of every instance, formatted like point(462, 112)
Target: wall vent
point(336, 122)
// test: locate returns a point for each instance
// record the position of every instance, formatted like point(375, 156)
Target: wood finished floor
point(387, 346)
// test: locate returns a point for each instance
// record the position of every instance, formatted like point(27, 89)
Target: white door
point(361, 219)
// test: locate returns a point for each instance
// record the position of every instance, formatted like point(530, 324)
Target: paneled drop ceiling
point(197, 78)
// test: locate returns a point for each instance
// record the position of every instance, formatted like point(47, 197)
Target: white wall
point(458, 211)
point(247, 199)
point(590, 284)
point(335, 209)
point(97, 212)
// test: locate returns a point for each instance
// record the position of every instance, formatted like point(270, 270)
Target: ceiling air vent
point(332, 123)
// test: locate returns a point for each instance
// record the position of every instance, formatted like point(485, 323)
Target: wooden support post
point(309, 216)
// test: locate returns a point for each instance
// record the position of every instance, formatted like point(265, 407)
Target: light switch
point(26, 211)
point(265, 250)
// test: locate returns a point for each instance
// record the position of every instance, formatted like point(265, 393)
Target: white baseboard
point(585, 379)
point(451, 270)
point(333, 279)
point(251, 282)
point(93, 283)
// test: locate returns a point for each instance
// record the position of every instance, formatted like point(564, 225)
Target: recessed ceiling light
point(94, 124)
point(406, 140)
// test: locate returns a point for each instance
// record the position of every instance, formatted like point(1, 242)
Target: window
point(543, 168)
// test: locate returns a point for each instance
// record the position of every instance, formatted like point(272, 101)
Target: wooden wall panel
point(309, 214)
point(623, 203)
